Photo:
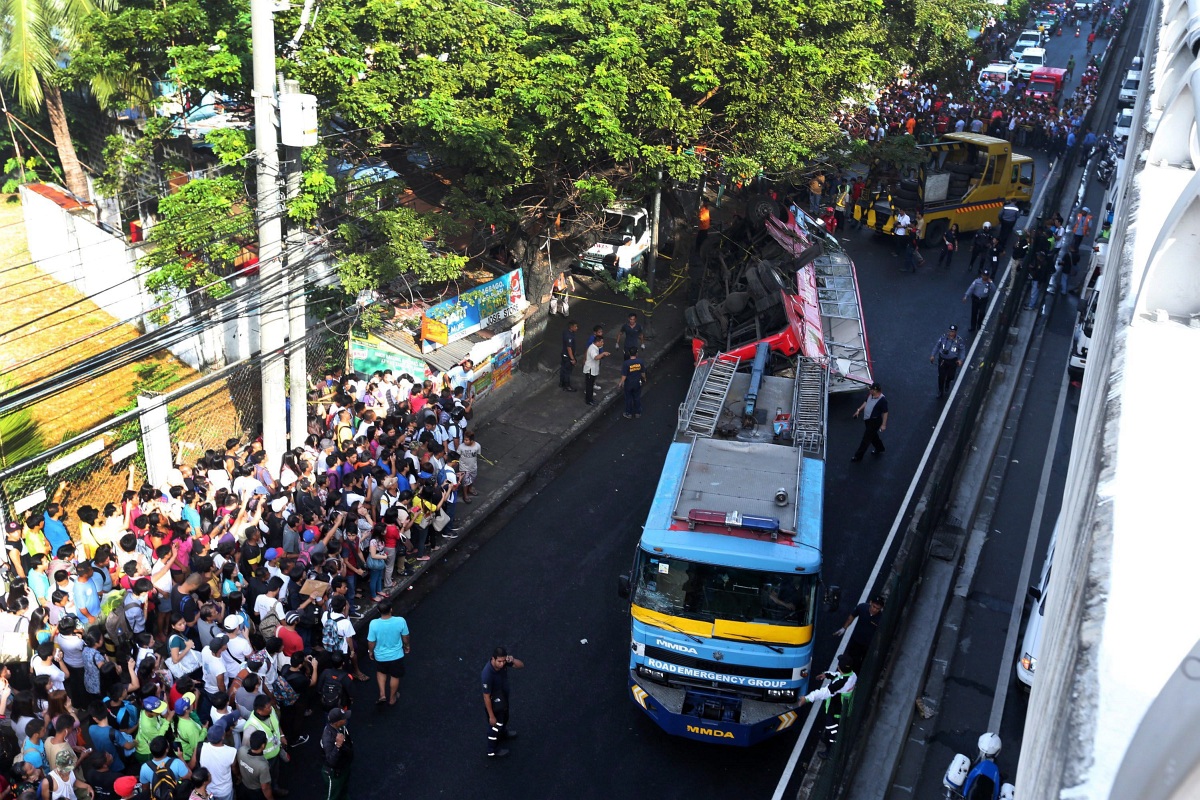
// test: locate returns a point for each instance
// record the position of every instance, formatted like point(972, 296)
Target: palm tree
point(34, 35)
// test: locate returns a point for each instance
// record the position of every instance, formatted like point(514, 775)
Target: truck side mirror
point(623, 586)
point(1035, 593)
point(833, 598)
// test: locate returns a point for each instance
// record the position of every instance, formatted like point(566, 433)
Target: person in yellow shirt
point(33, 535)
point(89, 534)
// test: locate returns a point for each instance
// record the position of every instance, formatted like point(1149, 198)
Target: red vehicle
point(1046, 83)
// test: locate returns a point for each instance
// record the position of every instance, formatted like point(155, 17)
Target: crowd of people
point(925, 111)
point(172, 643)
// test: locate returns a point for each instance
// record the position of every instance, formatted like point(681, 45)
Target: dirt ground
point(27, 293)
point(204, 418)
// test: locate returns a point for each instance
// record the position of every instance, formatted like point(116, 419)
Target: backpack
point(269, 624)
point(117, 625)
point(283, 692)
point(163, 784)
point(331, 638)
point(331, 691)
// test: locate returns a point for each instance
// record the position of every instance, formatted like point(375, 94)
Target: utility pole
point(654, 234)
point(272, 315)
point(297, 273)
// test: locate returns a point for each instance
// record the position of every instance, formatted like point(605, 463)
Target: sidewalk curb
point(486, 506)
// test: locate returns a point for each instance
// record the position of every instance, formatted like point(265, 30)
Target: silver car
point(1124, 125)
point(1129, 88)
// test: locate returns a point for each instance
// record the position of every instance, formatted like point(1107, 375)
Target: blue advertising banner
point(478, 308)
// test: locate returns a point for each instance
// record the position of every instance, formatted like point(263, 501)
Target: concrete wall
point(71, 248)
point(1118, 627)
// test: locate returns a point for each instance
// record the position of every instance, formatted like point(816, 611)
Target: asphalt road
point(541, 579)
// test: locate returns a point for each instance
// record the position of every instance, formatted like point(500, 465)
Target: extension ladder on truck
point(700, 414)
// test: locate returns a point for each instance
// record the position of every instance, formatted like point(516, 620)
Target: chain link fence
point(96, 467)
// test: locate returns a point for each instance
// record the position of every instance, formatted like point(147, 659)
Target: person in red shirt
point(292, 643)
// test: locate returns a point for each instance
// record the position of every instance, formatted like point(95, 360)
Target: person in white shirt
point(218, 758)
point(900, 230)
point(591, 367)
point(234, 656)
point(625, 257)
point(268, 603)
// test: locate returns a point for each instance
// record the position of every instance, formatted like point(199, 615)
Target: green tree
point(20, 437)
point(35, 35)
point(192, 46)
point(541, 116)
point(202, 230)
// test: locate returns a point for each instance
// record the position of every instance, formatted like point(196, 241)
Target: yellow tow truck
point(967, 179)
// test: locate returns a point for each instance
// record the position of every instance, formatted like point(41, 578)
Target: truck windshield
point(709, 592)
point(617, 227)
point(1045, 87)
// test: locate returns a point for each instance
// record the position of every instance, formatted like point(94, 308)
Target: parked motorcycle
point(979, 779)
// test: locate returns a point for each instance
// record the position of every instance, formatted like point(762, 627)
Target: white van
point(994, 74)
point(1030, 60)
point(1031, 642)
point(1081, 339)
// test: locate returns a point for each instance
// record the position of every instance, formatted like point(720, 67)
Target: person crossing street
point(495, 699)
point(979, 292)
point(633, 374)
point(948, 353)
point(874, 413)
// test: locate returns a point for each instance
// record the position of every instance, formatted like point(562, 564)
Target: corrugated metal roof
point(442, 359)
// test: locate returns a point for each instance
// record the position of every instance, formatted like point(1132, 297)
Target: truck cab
point(1046, 83)
point(1031, 59)
point(624, 226)
point(967, 180)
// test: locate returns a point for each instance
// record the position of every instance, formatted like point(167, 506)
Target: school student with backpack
point(337, 633)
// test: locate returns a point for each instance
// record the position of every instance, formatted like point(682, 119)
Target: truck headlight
point(652, 674)
point(781, 694)
point(1028, 663)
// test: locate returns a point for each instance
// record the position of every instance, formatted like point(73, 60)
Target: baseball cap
point(12, 527)
point(954, 328)
point(337, 714)
point(232, 622)
point(291, 617)
point(216, 733)
point(182, 706)
point(154, 705)
point(125, 786)
point(308, 537)
point(217, 643)
point(273, 554)
point(986, 274)
point(278, 504)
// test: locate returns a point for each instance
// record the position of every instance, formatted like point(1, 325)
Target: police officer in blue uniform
point(633, 374)
point(495, 699)
point(948, 354)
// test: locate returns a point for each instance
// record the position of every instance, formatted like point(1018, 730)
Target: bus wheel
point(934, 232)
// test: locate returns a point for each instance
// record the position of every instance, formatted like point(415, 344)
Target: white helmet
point(987, 226)
point(989, 745)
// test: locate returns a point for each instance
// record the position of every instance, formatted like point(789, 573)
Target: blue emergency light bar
point(732, 520)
